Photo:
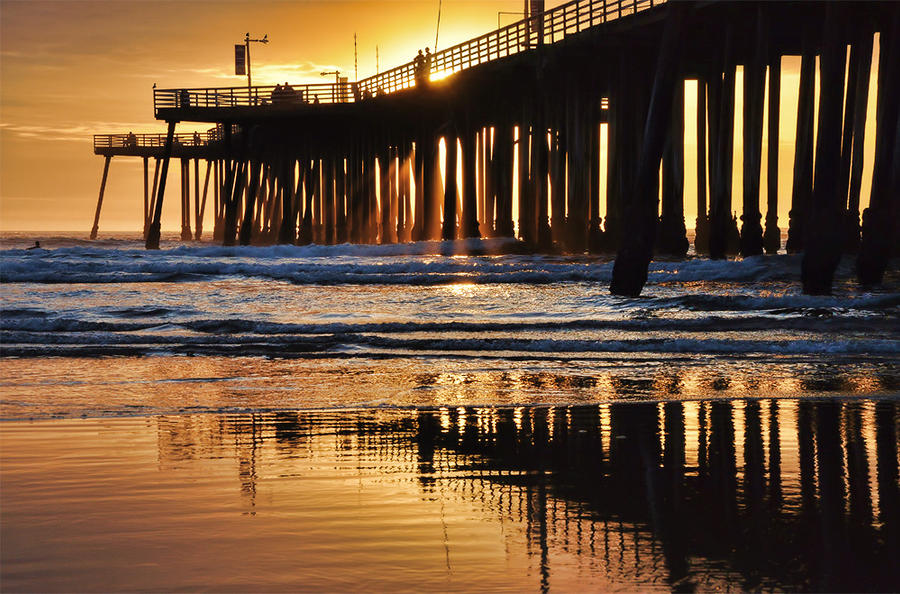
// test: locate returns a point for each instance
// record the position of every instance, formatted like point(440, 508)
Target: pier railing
point(268, 95)
point(546, 28)
point(131, 140)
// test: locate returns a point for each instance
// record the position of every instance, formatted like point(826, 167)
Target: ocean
point(452, 415)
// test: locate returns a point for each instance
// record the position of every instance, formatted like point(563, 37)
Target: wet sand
point(757, 494)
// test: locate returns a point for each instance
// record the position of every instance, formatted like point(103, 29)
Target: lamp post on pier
point(335, 90)
point(242, 57)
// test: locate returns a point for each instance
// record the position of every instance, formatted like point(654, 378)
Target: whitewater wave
point(355, 344)
point(421, 263)
point(37, 322)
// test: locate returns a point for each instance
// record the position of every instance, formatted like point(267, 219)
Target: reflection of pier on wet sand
point(753, 494)
point(522, 111)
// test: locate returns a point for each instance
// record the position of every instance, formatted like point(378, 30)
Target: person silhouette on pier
point(427, 73)
point(289, 94)
point(419, 68)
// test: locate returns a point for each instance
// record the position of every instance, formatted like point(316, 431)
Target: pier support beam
point(803, 154)
point(772, 235)
point(503, 177)
point(672, 237)
point(431, 212)
point(823, 243)
point(448, 229)
point(198, 227)
point(879, 228)
point(96, 226)
point(186, 200)
point(751, 242)
point(862, 51)
point(596, 239)
point(701, 223)
point(721, 99)
point(469, 215)
point(615, 116)
point(146, 194)
point(153, 233)
point(252, 191)
point(633, 259)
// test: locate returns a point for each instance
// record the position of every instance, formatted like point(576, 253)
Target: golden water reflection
point(760, 494)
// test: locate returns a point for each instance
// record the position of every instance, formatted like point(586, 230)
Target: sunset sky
point(70, 69)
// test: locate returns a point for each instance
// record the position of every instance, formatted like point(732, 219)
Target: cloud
point(73, 132)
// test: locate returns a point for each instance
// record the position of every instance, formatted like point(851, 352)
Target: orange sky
point(70, 69)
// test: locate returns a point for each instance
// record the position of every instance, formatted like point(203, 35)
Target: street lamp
point(336, 89)
point(247, 42)
point(336, 73)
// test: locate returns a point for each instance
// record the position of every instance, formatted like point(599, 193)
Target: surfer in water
point(36, 246)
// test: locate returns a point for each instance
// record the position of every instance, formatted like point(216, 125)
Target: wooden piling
point(526, 211)
point(863, 54)
point(404, 209)
point(153, 233)
point(150, 210)
point(95, 228)
point(341, 233)
point(256, 177)
point(613, 223)
point(772, 234)
point(490, 172)
point(186, 200)
point(448, 228)
point(596, 240)
point(701, 223)
point(557, 186)
point(469, 214)
point(722, 104)
point(431, 218)
point(578, 171)
point(146, 194)
point(803, 154)
point(672, 235)
point(540, 190)
point(198, 226)
point(633, 259)
point(823, 244)
point(880, 224)
point(751, 238)
point(503, 177)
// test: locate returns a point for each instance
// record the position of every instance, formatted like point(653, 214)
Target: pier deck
point(527, 103)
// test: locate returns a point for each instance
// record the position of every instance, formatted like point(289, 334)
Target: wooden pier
point(520, 110)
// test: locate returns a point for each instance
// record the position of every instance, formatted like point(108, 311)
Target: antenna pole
point(438, 30)
point(355, 60)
